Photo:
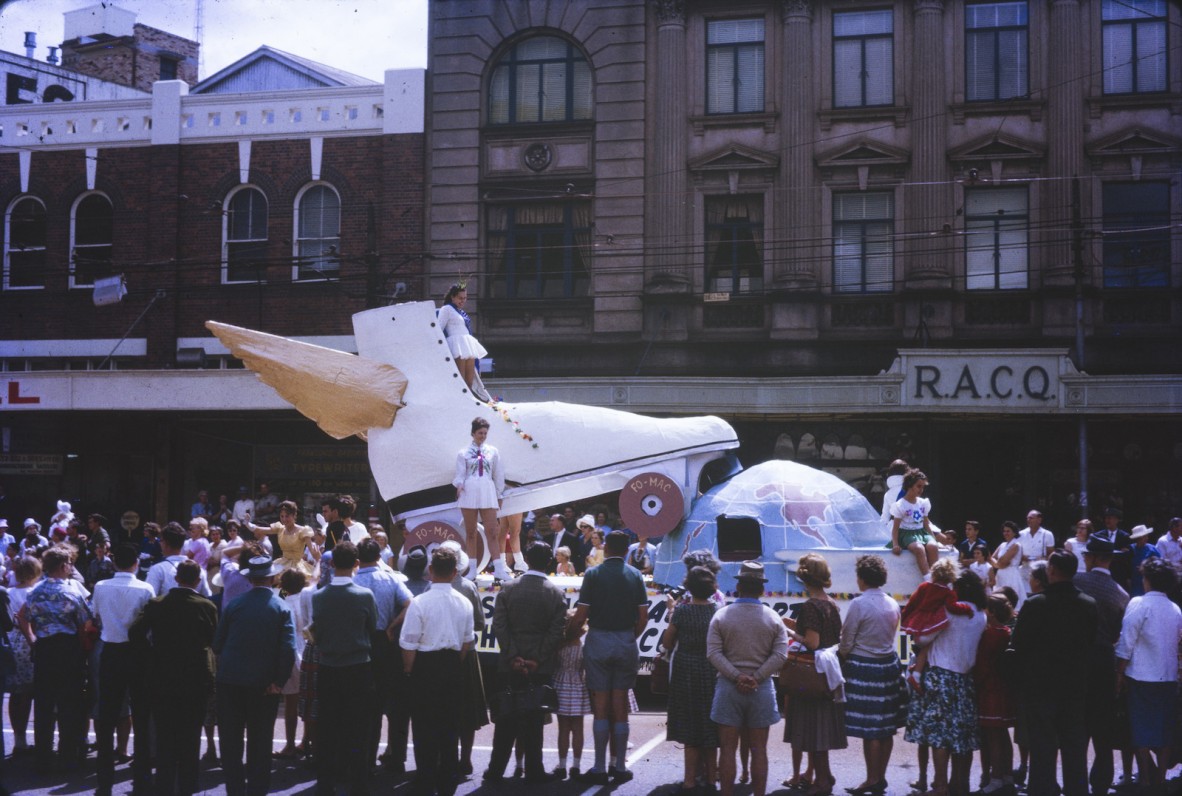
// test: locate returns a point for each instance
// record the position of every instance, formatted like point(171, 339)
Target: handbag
point(658, 680)
point(799, 676)
point(516, 701)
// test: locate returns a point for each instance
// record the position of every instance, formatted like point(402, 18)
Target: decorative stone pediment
point(863, 153)
point(998, 146)
point(1135, 141)
point(735, 157)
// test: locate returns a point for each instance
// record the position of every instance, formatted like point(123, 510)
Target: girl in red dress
point(995, 699)
point(926, 613)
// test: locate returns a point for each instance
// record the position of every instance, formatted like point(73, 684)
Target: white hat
point(461, 557)
point(1139, 531)
point(586, 519)
point(31, 523)
point(3, 523)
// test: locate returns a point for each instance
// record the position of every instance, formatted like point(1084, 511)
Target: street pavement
point(657, 764)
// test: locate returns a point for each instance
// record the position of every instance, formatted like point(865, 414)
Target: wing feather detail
point(344, 394)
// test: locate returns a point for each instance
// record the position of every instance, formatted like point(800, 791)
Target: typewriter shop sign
point(964, 380)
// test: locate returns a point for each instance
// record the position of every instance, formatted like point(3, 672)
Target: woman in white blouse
point(480, 483)
point(457, 328)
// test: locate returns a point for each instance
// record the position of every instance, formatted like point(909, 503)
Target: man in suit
point(344, 620)
point(558, 536)
point(1111, 601)
point(1055, 632)
point(177, 629)
point(255, 643)
point(528, 622)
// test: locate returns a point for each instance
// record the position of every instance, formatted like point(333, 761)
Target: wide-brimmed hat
point(462, 561)
point(3, 523)
point(586, 519)
point(1113, 512)
point(261, 567)
point(415, 563)
point(1139, 532)
point(1099, 544)
point(32, 523)
point(752, 571)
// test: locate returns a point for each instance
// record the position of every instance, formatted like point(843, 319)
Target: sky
point(365, 37)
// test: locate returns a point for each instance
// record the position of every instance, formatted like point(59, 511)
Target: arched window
point(540, 79)
point(318, 233)
point(24, 244)
point(92, 229)
point(244, 236)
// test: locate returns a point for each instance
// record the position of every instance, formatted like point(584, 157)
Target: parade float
point(677, 478)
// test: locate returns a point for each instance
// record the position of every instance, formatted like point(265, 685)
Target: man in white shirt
point(342, 508)
point(117, 602)
point(436, 635)
point(1170, 544)
point(244, 506)
point(1037, 542)
point(162, 576)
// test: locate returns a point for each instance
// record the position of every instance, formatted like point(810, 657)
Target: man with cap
point(414, 566)
point(117, 602)
point(33, 543)
point(5, 537)
point(1111, 601)
point(175, 630)
point(255, 644)
point(1141, 552)
point(1170, 543)
point(1037, 542)
point(1056, 630)
point(244, 507)
point(747, 643)
point(614, 604)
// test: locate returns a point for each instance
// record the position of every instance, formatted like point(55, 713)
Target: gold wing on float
point(343, 394)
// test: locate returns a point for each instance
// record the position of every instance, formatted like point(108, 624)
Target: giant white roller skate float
point(677, 477)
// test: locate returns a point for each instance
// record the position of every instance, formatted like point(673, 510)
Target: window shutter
point(720, 81)
point(554, 92)
point(979, 66)
point(1012, 81)
point(847, 74)
point(529, 81)
point(1151, 56)
point(750, 87)
point(880, 89)
point(879, 259)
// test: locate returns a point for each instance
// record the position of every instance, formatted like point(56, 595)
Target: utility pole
point(1077, 249)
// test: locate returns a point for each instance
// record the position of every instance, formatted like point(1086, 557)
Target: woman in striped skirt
point(876, 699)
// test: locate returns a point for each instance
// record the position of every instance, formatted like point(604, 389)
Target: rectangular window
point(863, 242)
point(734, 244)
point(168, 67)
point(1134, 46)
point(1137, 234)
point(863, 59)
point(734, 66)
point(996, 66)
point(539, 251)
point(996, 228)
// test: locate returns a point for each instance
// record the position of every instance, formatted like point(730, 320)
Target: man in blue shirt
point(614, 603)
point(255, 643)
point(391, 597)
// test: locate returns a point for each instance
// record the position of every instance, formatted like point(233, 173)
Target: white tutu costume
point(458, 332)
point(479, 477)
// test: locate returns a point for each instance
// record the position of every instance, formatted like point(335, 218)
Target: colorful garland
point(497, 407)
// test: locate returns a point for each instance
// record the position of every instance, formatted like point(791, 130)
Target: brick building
point(854, 233)
point(281, 211)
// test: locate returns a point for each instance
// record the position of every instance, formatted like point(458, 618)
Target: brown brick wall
point(168, 204)
point(133, 61)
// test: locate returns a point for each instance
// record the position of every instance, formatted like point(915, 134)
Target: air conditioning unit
point(109, 290)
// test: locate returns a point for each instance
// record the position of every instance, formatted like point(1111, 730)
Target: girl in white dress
point(480, 483)
point(457, 328)
point(1006, 560)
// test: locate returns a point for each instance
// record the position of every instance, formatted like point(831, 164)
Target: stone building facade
point(727, 198)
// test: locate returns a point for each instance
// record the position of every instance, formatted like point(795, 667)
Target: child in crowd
point(911, 529)
point(926, 614)
point(573, 700)
point(565, 567)
point(995, 702)
point(980, 566)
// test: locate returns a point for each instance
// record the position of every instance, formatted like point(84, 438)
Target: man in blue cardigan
point(255, 643)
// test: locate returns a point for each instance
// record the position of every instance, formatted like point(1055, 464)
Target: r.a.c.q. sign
point(968, 383)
